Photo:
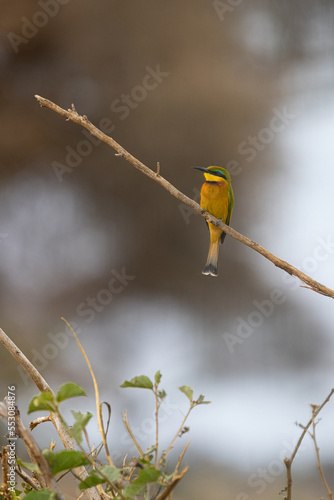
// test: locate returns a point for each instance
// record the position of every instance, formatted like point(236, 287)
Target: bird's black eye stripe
point(218, 173)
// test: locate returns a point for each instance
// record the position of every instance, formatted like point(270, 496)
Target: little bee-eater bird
point(216, 198)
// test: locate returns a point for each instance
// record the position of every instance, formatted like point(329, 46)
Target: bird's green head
point(215, 174)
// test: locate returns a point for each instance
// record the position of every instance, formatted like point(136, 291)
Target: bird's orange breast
point(215, 198)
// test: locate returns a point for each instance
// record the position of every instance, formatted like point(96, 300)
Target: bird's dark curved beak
point(203, 169)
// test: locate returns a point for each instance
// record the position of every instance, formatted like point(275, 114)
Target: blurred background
point(245, 85)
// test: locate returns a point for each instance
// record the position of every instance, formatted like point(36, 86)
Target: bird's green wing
point(229, 214)
point(230, 207)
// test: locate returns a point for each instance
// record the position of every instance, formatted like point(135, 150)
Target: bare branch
point(39, 381)
point(288, 461)
point(178, 433)
point(26, 478)
point(128, 428)
point(97, 396)
point(4, 466)
point(181, 457)
point(43, 386)
point(156, 418)
point(45, 477)
point(72, 115)
point(34, 374)
point(172, 485)
point(312, 434)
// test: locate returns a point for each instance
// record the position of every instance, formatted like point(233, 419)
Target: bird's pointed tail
point(211, 266)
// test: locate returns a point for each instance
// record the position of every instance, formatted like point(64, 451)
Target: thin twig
point(179, 430)
point(39, 420)
point(172, 485)
point(128, 428)
point(26, 478)
point(156, 417)
point(181, 458)
point(312, 434)
point(288, 461)
point(97, 396)
point(72, 115)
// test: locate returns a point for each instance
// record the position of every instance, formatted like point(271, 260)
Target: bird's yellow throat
point(213, 178)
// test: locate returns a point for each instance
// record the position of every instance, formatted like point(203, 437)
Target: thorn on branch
point(184, 430)
point(158, 169)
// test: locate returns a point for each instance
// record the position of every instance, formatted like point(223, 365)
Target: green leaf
point(64, 460)
point(146, 461)
point(44, 494)
point(69, 390)
point(43, 401)
point(81, 420)
point(142, 382)
point(95, 477)
point(200, 400)
point(187, 391)
point(149, 475)
point(157, 377)
point(112, 473)
point(29, 466)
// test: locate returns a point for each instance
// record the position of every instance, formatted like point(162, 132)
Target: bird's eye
point(220, 174)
